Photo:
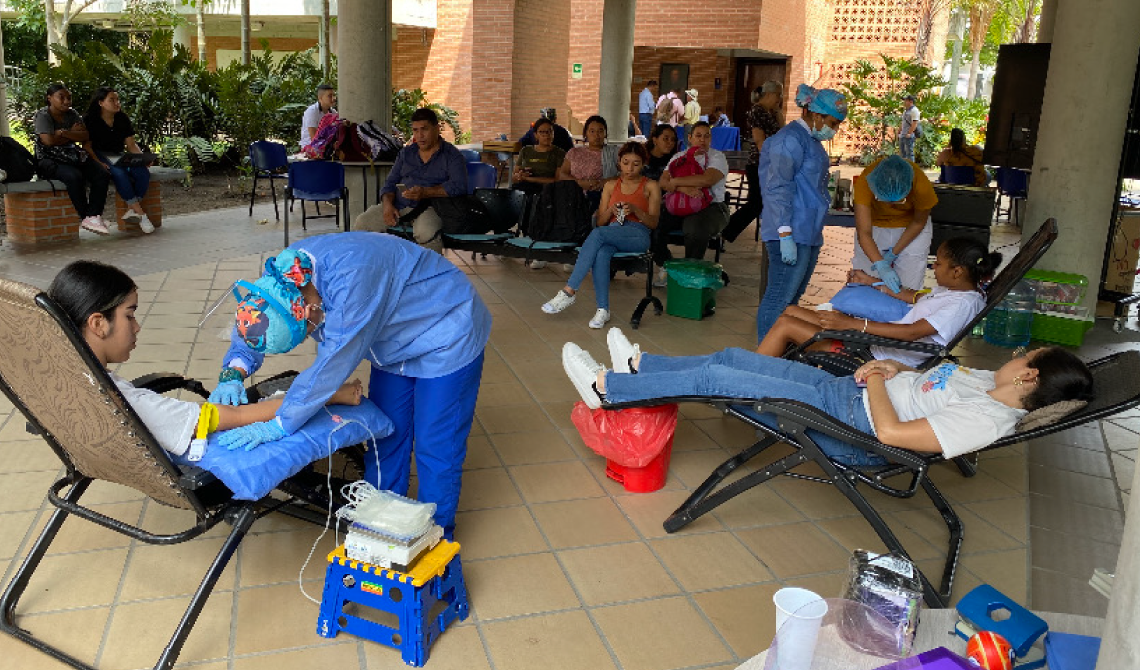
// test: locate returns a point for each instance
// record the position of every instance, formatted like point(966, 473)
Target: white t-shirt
point(909, 115)
point(718, 162)
point(946, 310)
point(312, 117)
point(956, 402)
point(171, 421)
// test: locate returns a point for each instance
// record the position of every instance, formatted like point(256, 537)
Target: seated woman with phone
point(112, 145)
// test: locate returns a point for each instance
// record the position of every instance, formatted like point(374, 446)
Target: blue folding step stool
point(427, 600)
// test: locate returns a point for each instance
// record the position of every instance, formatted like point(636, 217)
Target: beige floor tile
point(513, 419)
point(856, 533)
point(978, 534)
point(689, 437)
point(480, 454)
point(24, 491)
point(491, 533)
point(732, 434)
point(105, 492)
point(459, 648)
point(567, 641)
point(981, 486)
point(74, 580)
point(139, 631)
point(1011, 519)
point(648, 512)
point(487, 488)
point(276, 617)
point(831, 585)
point(694, 467)
point(344, 656)
point(77, 633)
point(815, 501)
point(163, 519)
point(27, 456)
point(616, 573)
point(498, 395)
point(745, 616)
point(758, 506)
point(269, 558)
point(149, 574)
point(532, 447)
point(547, 482)
point(660, 634)
point(1011, 470)
point(794, 549)
point(579, 523)
point(14, 527)
point(503, 587)
point(710, 561)
point(78, 534)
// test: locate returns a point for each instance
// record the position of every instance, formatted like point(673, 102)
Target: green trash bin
point(692, 288)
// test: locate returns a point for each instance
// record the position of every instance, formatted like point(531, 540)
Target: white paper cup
point(799, 613)
point(824, 307)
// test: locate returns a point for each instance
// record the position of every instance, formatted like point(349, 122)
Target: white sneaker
point(95, 224)
point(132, 217)
point(661, 279)
point(622, 352)
point(146, 225)
point(600, 318)
point(559, 302)
point(537, 265)
point(582, 370)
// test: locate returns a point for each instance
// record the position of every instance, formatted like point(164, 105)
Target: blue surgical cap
point(270, 318)
point(891, 179)
point(822, 101)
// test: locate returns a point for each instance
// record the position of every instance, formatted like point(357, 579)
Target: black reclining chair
point(1114, 385)
point(50, 375)
point(858, 345)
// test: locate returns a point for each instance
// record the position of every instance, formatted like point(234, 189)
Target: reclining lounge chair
point(800, 425)
point(50, 375)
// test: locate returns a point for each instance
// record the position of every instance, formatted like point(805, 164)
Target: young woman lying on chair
point(950, 409)
point(101, 301)
point(937, 316)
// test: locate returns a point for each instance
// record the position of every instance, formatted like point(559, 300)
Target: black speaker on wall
point(1015, 107)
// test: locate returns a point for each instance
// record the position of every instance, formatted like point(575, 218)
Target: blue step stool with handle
point(426, 600)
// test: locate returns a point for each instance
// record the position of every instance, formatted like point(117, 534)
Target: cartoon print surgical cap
point(891, 179)
point(271, 318)
point(822, 101)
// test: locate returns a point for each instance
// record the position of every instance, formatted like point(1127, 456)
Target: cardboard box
point(1120, 275)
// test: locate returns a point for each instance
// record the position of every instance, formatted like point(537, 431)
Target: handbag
point(64, 154)
point(680, 204)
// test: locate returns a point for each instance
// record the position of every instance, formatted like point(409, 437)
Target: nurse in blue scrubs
point(406, 310)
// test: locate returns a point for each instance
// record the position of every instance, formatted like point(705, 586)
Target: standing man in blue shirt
point(646, 105)
point(429, 167)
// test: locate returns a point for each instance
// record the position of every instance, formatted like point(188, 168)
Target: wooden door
point(750, 73)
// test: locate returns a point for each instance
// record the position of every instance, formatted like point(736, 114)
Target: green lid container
point(1057, 288)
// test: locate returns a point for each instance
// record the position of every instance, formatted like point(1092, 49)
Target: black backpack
point(562, 214)
point(463, 214)
point(505, 206)
point(16, 161)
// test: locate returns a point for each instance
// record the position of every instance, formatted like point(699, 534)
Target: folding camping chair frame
point(1114, 383)
point(118, 448)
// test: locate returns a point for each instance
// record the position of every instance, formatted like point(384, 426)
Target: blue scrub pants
point(785, 284)
point(435, 414)
point(736, 373)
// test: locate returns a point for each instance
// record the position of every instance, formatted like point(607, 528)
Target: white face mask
point(823, 133)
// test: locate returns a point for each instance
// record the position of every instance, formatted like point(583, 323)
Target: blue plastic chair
point(316, 181)
point(269, 160)
point(1014, 184)
point(957, 174)
point(481, 175)
point(726, 138)
point(470, 155)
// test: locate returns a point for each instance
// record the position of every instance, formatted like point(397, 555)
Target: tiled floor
point(564, 568)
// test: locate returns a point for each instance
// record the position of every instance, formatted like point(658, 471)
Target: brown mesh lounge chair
point(800, 426)
point(51, 376)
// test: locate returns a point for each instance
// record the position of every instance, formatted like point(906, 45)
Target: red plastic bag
point(629, 437)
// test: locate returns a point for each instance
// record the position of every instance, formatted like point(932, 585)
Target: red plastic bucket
point(645, 479)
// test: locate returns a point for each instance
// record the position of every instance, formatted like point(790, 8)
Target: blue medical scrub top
point(793, 180)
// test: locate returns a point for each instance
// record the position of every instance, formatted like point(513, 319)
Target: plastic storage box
point(1060, 328)
point(1058, 316)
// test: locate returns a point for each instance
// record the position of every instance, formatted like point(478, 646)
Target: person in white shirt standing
point(646, 105)
point(909, 126)
point(326, 102)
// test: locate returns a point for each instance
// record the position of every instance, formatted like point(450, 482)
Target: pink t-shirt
point(584, 163)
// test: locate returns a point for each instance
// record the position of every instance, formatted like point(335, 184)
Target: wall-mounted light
point(108, 23)
point(256, 26)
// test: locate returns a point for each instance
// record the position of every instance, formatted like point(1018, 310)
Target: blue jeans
point(906, 147)
point(597, 251)
point(436, 415)
point(744, 374)
point(785, 284)
point(646, 123)
point(131, 183)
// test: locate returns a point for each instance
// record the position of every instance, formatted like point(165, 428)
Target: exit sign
point(576, 71)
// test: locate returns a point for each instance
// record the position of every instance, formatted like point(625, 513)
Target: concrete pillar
point(1047, 21)
point(1120, 646)
point(1091, 67)
point(616, 76)
point(364, 70)
point(182, 35)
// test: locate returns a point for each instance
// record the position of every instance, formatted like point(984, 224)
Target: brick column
point(151, 204)
point(40, 218)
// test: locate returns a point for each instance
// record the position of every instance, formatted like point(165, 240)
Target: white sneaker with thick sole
point(537, 265)
point(600, 318)
point(622, 352)
point(558, 303)
point(145, 224)
point(582, 370)
point(95, 224)
point(132, 217)
point(661, 279)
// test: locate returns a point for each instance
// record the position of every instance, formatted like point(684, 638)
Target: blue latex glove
point(888, 275)
point(248, 437)
point(890, 256)
point(229, 393)
point(788, 250)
